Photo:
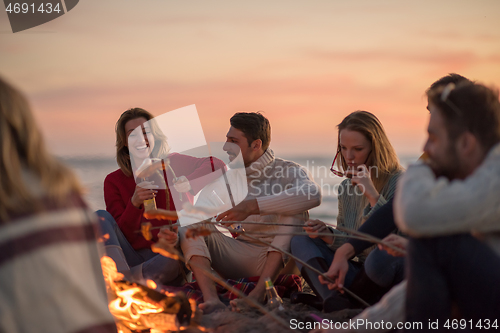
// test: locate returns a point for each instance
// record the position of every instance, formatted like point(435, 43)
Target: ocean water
point(93, 170)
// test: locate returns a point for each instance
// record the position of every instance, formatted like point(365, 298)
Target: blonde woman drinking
point(366, 157)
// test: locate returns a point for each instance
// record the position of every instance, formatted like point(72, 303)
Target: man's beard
point(448, 167)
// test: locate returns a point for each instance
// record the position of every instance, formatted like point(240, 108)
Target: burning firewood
point(161, 214)
point(137, 307)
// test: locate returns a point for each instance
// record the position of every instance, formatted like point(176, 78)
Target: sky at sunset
point(305, 64)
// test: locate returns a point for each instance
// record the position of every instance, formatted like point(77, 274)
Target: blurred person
point(50, 274)
point(449, 207)
point(369, 161)
point(279, 191)
point(139, 138)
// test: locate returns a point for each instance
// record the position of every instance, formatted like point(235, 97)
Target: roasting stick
point(242, 222)
point(169, 216)
point(358, 233)
point(371, 238)
point(173, 173)
point(299, 233)
point(321, 234)
point(163, 214)
point(217, 279)
point(172, 215)
point(359, 299)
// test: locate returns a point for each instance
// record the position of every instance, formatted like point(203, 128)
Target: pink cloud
point(302, 112)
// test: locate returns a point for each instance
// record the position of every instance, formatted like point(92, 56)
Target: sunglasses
point(340, 173)
point(336, 172)
point(445, 97)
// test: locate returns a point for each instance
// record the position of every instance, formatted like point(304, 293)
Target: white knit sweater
point(283, 189)
point(426, 206)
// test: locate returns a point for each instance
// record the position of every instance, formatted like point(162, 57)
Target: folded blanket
point(284, 285)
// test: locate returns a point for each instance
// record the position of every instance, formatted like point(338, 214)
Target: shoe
point(338, 302)
point(319, 289)
point(366, 288)
point(306, 298)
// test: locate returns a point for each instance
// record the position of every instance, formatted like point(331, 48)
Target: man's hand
point(397, 241)
point(313, 227)
point(339, 267)
point(168, 236)
point(182, 185)
point(240, 212)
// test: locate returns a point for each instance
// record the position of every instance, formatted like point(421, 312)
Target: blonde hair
point(160, 149)
point(383, 158)
point(23, 153)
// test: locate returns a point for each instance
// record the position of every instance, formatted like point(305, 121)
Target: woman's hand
point(362, 178)
point(169, 236)
point(313, 227)
point(143, 191)
point(397, 241)
point(339, 267)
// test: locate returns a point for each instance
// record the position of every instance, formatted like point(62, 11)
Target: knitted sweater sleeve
point(338, 241)
point(299, 194)
point(426, 206)
point(126, 215)
point(386, 194)
point(380, 224)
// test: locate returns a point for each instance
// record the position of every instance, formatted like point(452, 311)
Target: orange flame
point(126, 305)
point(131, 308)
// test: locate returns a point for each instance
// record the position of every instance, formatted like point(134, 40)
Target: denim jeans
point(452, 271)
point(383, 269)
point(306, 248)
point(154, 266)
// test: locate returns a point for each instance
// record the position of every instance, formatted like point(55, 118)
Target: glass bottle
point(149, 204)
point(273, 299)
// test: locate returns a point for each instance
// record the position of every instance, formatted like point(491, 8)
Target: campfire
point(138, 308)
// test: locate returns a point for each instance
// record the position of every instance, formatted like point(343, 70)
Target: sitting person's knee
point(298, 243)
point(384, 269)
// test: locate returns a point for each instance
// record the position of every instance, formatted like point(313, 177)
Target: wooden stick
point(371, 238)
point(172, 215)
point(357, 234)
point(238, 292)
point(359, 299)
point(170, 226)
point(257, 223)
point(320, 234)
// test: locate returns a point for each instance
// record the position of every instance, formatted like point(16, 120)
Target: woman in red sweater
point(138, 138)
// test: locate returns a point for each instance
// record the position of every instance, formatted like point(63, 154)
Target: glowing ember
point(151, 284)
